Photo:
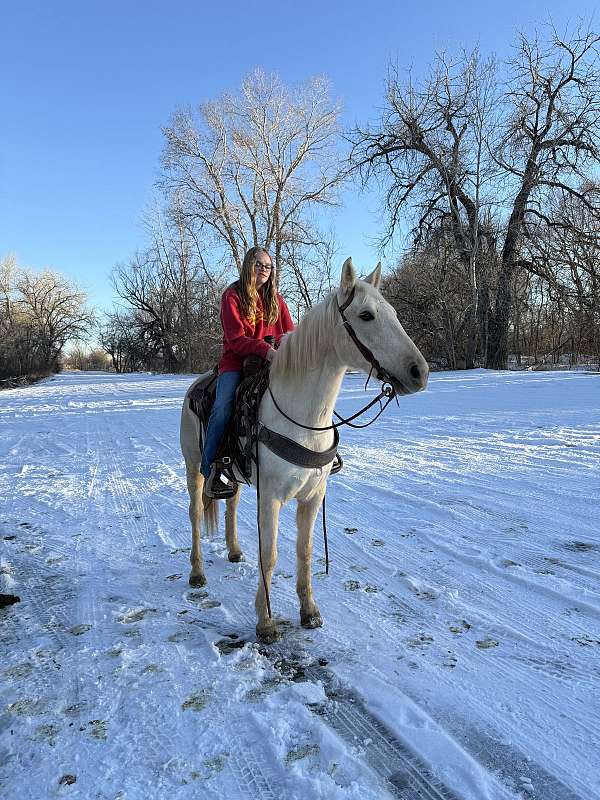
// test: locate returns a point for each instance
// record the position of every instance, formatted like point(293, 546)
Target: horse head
point(371, 337)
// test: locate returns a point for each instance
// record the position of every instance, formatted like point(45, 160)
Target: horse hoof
point(267, 635)
point(197, 580)
point(235, 558)
point(311, 620)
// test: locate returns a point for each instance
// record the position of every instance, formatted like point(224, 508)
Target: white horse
point(305, 379)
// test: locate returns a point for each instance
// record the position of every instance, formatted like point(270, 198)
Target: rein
point(387, 390)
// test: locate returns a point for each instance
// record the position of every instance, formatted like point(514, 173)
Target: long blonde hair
point(248, 292)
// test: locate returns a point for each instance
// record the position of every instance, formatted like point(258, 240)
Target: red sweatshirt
point(242, 336)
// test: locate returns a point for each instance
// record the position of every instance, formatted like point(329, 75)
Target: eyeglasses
point(262, 267)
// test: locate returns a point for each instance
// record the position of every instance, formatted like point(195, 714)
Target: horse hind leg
point(195, 484)
point(234, 552)
point(306, 514)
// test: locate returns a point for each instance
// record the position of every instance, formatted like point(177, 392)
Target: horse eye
point(366, 315)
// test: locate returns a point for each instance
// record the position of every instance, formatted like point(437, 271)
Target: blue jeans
point(227, 383)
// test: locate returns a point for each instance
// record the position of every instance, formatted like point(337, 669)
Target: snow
point(460, 652)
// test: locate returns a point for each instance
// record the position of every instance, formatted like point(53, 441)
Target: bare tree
point(563, 252)
point(550, 142)
point(40, 313)
point(430, 290)
point(249, 168)
point(56, 306)
point(457, 148)
point(429, 149)
point(171, 300)
point(122, 339)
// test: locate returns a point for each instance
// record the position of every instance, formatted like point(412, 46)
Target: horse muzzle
point(414, 379)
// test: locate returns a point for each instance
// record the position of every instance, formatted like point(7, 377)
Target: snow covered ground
point(460, 652)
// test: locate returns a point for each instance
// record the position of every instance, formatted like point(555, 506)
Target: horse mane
point(303, 349)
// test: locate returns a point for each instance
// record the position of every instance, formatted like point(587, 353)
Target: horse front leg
point(266, 629)
point(306, 514)
point(234, 552)
point(195, 484)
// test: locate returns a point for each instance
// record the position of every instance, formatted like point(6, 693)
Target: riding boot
point(216, 486)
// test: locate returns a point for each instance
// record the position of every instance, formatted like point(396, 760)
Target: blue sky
point(86, 86)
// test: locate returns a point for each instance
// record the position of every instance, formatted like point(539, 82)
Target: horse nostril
point(415, 372)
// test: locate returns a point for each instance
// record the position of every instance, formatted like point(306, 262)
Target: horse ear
point(348, 276)
point(375, 277)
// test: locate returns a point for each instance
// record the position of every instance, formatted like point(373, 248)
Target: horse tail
point(211, 514)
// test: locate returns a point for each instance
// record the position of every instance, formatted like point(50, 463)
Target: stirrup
point(214, 487)
point(337, 464)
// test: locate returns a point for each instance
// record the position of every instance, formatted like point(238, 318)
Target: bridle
point(380, 373)
point(387, 389)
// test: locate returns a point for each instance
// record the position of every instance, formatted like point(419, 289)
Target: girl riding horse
point(251, 310)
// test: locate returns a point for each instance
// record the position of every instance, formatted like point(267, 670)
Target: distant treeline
point(492, 168)
point(39, 314)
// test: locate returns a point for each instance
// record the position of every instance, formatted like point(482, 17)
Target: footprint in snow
point(78, 630)
point(26, 707)
point(46, 733)
point(96, 728)
point(351, 586)
point(193, 596)
point(486, 644)
point(216, 764)
point(304, 751)
point(420, 641)
point(136, 616)
point(580, 547)
point(134, 634)
point(460, 627)
point(179, 636)
point(197, 701)
point(227, 646)
point(18, 671)
point(210, 604)
point(74, 710)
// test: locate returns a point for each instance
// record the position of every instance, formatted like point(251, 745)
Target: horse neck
point(310, 397)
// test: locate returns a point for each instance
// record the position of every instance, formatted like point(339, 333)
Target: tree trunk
point(497, 355)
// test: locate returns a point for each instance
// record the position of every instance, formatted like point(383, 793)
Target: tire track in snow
point(503, 759)
point(399, 769)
